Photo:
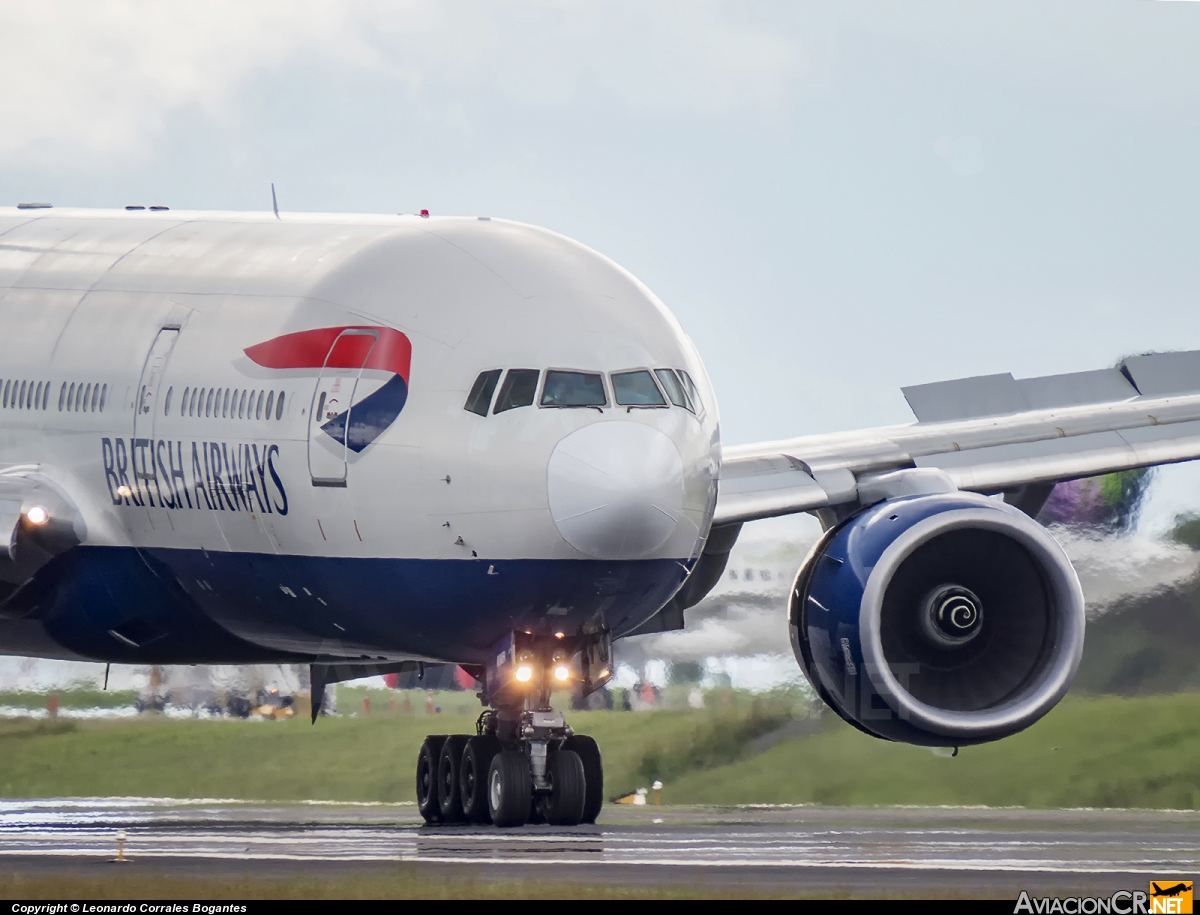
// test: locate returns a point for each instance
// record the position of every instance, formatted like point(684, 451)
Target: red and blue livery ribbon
point(380, 348)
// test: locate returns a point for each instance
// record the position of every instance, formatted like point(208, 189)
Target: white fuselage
point(190, 456)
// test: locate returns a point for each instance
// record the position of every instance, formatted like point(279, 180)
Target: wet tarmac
point(861, 851)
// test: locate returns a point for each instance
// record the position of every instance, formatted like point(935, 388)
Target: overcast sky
point(835, 198)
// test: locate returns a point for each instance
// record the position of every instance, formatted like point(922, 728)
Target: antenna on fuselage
point(274, 202)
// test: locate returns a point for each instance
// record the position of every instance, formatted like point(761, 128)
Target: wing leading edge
point(989, 434)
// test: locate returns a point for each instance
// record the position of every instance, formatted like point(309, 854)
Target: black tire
point(563, 806)
point(449, 763)
point(477, 758)
point(535, 812)
point(510, 789)
point(593, 774)
point(427, 787)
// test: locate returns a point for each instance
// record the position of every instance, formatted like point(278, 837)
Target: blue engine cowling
point(938, 620)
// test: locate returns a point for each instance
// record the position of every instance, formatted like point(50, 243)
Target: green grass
point(70, 698)
point(360, 758)
point(1088, 752)
point(1138, 752)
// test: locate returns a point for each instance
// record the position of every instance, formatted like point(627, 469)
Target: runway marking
point(335, 832)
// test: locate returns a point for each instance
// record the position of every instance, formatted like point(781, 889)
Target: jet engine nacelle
point(938, 620)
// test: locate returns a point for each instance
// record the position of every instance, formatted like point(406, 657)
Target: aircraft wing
point(988, 434)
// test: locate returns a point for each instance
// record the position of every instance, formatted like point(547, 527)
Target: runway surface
point(806, 849)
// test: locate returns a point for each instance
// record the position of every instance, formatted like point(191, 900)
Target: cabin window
point(573, 389)
point(79, 398)
point(258, 406)
point(21, 398)
point(208, 402)
point(279, 406)
point(518, 390)
point(62, 396)
point(480, 397)
point(637, 389)
point(242, 405)
point(103, 396)
point(225, 405)
point(270, 403)
point(671, 384)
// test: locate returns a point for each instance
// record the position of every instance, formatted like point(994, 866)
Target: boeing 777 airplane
point(375, 443)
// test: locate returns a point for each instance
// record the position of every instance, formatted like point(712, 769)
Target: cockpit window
point(637, 389)
point(670, 383)
point(518, 390)
point(573, 389)
point(482, 390)
point(690, 387)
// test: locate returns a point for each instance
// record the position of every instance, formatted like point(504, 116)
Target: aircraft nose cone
point(616, 489)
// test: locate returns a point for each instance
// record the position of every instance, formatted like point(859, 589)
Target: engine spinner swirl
point(951, 616)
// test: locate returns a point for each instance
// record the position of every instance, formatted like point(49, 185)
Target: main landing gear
point(524, 764)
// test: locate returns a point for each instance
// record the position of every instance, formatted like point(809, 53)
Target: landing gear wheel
point(449, 763)
point(510, 789)
point(477, 757)
point(535, 812)
point(593, 774)
point(563, 806)
point(427, 783)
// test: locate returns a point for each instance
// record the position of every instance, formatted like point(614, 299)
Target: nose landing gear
point(524, 764)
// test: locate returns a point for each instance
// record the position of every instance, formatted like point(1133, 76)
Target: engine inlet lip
point(1049, 685)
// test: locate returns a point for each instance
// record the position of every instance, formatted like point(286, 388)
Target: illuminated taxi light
point(562, 672)
point(524, 673)
point(37, 515)
point(559, 635)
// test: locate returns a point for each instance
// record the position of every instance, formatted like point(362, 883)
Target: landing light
point(37, 515)
point(524, 673)
point(561, 672)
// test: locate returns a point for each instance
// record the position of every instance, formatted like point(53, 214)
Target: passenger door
point(333, 400)
point(147, 401)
